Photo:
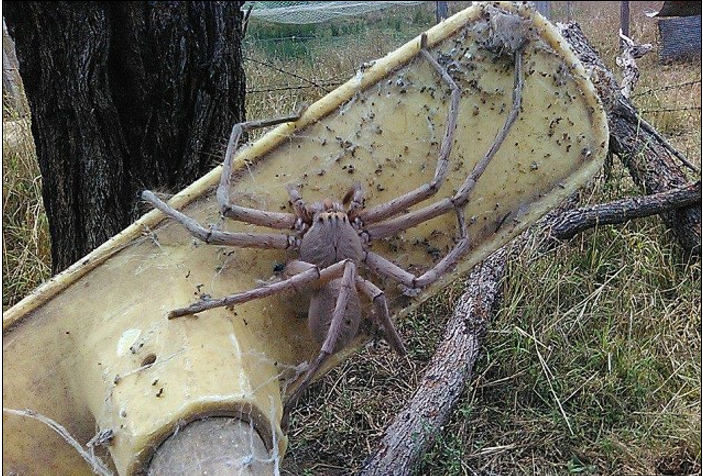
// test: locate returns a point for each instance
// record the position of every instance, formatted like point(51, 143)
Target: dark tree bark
point(124, 96)
point(573, 222)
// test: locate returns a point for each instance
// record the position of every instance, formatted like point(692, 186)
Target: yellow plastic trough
point(92, 349)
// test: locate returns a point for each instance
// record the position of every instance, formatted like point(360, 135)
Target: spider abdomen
point(330, 239)
point(322, 303)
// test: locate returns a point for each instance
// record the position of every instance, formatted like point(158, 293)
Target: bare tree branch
point(572, 222)
point(414, 429)
point(649, 157)
point(652, 162)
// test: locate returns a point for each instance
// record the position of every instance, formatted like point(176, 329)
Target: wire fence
point(291, 52)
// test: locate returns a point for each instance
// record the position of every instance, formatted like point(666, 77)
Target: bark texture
point(414, 429)
point(569, 224)
point(124, 96)
point(655, 166)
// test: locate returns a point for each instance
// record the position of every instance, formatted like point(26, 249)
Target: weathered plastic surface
point(92, 349)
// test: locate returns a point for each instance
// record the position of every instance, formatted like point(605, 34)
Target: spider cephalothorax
point(333, 239)
point(330, 236)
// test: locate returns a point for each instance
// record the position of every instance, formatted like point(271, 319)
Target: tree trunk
point(124, 96)
point(12, 100)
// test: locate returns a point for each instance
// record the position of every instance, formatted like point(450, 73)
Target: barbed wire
point(677, 109)
point(283, 71)
point(278, 39)
point(332, 83)
point(666, 88)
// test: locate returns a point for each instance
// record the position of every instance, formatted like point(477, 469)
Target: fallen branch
point(572, 222)
point(414, 429)
point(416, 426)
point(650, 159)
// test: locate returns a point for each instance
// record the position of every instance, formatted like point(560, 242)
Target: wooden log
point(414, 429)
point(653, 163)
point(659, 173)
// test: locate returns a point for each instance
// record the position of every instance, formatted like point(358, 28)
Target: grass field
point(606, 325)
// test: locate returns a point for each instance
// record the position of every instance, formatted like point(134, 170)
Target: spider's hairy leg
point(355, 199)
point(410, 283)
point(330, 343)
point(301, 210)
point(215, 237)
point(381, 314)
point(244, 214)
point(425, 191)
point(307, 276)
point(461, 197)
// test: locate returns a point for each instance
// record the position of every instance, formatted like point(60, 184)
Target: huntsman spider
point(332, 238)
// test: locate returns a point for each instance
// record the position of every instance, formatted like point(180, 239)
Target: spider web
point(386, 136)
point(259, 449)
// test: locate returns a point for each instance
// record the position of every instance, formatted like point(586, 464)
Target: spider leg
point(413, 284)
point(461, 197)
point(302, 213)
point(307, 274)
point(381, 314)
point(355, 199)
point(330, 343)
point(250, 215)
point(402, 203)
point(216, 237)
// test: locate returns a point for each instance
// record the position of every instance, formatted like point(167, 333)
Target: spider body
point(328, 239)
point(321, 310)
point(333, 238)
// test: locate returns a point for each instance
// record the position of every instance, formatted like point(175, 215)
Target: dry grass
point(607, 325)
point(26, 252)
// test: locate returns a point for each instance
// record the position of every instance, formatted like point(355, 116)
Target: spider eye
point(279, 267)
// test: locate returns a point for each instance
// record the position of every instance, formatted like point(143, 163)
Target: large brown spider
point(332, 239)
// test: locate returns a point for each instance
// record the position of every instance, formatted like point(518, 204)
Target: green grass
point(600, 342)
point(593, 363)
